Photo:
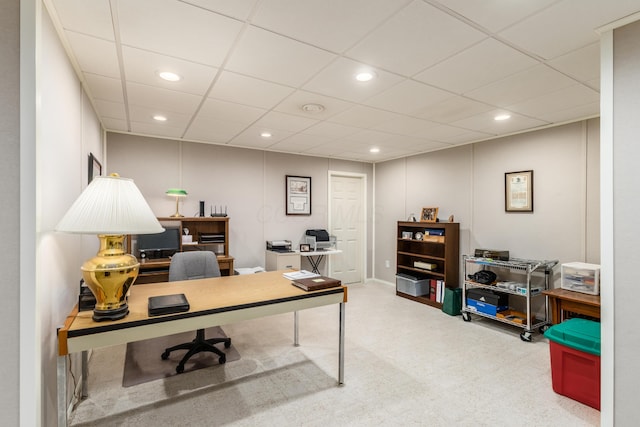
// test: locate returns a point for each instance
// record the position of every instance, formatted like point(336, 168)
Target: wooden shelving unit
point(443, 252)
point(209, 233)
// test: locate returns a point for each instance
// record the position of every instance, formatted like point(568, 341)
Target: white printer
point(319, 240)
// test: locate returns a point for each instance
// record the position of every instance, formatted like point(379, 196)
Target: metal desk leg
point(61, 374)
point(315, 263)
point(341, 347)
point(296, 343)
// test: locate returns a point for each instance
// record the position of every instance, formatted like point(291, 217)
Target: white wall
point(468, 182)
point(249, 183)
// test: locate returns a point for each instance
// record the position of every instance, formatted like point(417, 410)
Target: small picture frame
point(298, 195)
point(407, 235)
point(304, 247)
point(518, 191)
point(429, 215)
point(95, 168)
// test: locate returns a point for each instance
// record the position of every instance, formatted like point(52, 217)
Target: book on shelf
point(432, 289)
point(425, 265)
point(316, 283)
point(301, 274)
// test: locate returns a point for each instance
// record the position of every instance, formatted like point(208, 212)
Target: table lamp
point(177, 193)
point(110, 207)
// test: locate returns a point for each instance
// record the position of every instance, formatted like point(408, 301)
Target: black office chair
point(188, 266)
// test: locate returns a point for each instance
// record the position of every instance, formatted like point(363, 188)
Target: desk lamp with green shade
point(178, 194)
point(111, 207)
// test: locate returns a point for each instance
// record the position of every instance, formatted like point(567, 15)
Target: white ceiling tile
point(143, 67)
point(106, 88)
point(331, 24)
point(112, 110)
point(156, 129)
point(583, 64)
point(338, 80)
point(362, 116)
point(299, 143)
point(177, 29)
point(408, 97)
point(145, 115)
point(495, 15)
point(521, 86)
point(293, 105)
point(414, 39)
point(112, 124)
point(163, 99)
point(409, 126)
point(490, 60)
point(269, 56)
point(223, 110)
point(209, 129)
point(94, 55)
point(239, 9)
point(485, 123)
point(87, 17)
point(563, 99)
point(282, 121)
point(447, 133)
point(251, 138)
point(331, 130)
point(248, 90)
point(370, 136)
point(584, 110)
point(452, 109)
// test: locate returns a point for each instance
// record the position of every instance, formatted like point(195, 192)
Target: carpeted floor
point(143, 362)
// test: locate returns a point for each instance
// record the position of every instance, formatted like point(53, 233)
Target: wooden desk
point(575, 302)
point(214, 302)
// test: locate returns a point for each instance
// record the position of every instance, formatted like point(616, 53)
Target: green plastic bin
point(578, 334)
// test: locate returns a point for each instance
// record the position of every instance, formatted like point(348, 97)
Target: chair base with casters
point(198, 345)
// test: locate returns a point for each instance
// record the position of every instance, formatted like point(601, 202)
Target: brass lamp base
point(177, 214)
point(109, 275)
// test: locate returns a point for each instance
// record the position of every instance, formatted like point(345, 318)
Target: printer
point(319, 240)
point(279, 245)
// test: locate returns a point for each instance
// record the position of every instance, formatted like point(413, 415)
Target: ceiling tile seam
point(219, 72)
point(123, 77)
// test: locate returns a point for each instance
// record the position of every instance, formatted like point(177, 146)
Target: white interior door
point(347, 222)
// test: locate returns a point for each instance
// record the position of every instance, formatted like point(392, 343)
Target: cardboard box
point(486, 301)
point(574, 347)
point(412, 285)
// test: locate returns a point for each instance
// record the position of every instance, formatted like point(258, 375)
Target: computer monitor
point(159, 245)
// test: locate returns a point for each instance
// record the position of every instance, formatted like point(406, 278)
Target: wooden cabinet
point(417, 250)
point(208, 234)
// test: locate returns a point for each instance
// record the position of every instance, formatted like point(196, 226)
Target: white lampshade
point(110, 205)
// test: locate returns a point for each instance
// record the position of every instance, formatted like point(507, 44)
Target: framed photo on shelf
point(429, 215)
point(95, 168)
point(304, 247)
point(518, 191)
point(298, 195)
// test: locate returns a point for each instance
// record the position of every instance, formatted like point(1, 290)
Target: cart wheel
point(525, 336)
point(466, 316)
point(543, 328)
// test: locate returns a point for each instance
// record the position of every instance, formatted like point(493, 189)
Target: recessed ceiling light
point(313, 108)
point(365, 76)
point(265, 134)
point(169, 76)
point(159, 118)
point(501, 117)
point(374, 150)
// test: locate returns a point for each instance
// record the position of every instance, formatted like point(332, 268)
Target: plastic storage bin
point(581, 277)
point(574, 346)
point(411, 285)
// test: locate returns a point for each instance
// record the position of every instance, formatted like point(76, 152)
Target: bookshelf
point(442, 252)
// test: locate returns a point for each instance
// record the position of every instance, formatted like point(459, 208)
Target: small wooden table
point(575, 302)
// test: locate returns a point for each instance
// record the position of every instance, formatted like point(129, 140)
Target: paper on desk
point(302, 274)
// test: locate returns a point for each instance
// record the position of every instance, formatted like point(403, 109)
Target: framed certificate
point(298, 195)
point(518, 191)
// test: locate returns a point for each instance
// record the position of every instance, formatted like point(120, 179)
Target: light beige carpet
point(143, 362)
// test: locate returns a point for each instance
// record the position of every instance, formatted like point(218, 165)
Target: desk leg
point(315, 263)
point(61, 369)
point(341, 347)
point(296, 343)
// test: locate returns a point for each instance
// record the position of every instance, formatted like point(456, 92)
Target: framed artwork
point(429, 215)
point(304, 247)
point(298, 195)
point(95, 168)
point(518, 191)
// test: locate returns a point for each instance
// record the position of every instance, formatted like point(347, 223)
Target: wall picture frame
point(429, 215)
point(518, 191)
point(95, 168)
point(298, 195)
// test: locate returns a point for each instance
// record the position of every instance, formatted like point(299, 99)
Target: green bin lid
point(579, 334)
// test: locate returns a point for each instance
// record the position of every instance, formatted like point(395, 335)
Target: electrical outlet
point(387, 263)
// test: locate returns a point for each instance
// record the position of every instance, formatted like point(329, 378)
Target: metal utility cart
point(523, 279)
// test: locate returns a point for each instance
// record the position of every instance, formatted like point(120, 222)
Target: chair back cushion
point(193, 265)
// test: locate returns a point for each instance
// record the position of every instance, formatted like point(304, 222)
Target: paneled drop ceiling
point(443, 69)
